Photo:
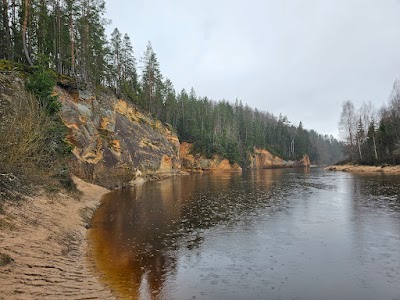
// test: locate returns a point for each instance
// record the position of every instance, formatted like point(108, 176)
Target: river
point(268, 234)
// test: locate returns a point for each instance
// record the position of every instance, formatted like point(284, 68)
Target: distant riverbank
point(365, 169)
point(44, 241)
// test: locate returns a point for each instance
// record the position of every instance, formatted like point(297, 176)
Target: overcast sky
point(301, 58)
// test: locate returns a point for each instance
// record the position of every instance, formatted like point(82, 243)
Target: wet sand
point(46, 239)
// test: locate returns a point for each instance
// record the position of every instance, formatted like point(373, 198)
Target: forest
point(372, 136)
point(69, 37)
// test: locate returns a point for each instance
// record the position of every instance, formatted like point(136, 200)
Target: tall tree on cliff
point(42, 30)
point(170, 113)
point(93, 48)
point(124, 66)
point(129, 80)
point(58, 36)
point(116, 51)
point(72, 15)
point(152, 83)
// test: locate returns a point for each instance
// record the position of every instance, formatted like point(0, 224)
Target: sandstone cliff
point(114, 143)
point(195, 163)
point(263, 159)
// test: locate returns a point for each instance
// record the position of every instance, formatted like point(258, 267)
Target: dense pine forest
point(69, 37)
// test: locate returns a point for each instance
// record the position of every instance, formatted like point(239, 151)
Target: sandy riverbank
point(365, 169)
point(46, 238)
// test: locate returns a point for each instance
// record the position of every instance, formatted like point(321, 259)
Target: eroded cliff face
point(114, 143)
point(195, 163)
point(263, 159)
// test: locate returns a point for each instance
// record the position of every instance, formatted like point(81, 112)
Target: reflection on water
point(278, 234)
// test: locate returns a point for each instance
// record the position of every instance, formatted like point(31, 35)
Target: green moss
point(10, 66)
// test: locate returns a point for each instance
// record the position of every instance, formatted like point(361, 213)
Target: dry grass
point(23, 132)
point(30, 143)
point(365, 169)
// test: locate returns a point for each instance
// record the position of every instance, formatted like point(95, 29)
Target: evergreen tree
point(152, 82)
point(116, 51)
point(129, 80)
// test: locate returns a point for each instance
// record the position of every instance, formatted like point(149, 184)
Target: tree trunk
point(59, 62)
point(359, 147)
point(6, 26)
point(41, 35)
point(72, 36)
point(85, 45)
point(13, 26)
point(24, 32)
point(375, 152)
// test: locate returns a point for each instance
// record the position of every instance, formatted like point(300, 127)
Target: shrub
point(41, 84)
point(23, 131)
point(5, 259)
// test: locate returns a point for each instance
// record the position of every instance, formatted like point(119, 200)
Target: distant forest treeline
point(68, 36)
point(372, 136)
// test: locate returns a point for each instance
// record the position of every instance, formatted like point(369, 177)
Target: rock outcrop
point(114, 143)
point(263, 159)
point(304, 162)
point(196, 163)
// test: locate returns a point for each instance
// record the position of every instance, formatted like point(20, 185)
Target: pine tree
point(93, 48)
point(152, 83)
point(71, 12)
point(130, 86)
point(116, 51)
point(170, 105)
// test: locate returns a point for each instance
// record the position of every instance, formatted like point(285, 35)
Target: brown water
point(270, 234)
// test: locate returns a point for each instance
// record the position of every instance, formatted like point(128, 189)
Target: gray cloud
point(300, 58)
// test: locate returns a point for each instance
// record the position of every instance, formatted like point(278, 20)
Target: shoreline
point(47, 243)
point(395, 170)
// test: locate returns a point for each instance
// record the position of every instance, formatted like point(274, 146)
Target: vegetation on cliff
point(32, 137)
point(69, 35)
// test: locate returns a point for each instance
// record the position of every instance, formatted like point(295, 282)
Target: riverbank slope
point(45, 242)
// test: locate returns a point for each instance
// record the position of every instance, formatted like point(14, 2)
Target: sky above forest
point(299, 58)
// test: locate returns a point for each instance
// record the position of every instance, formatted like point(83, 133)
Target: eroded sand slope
point(47, 241)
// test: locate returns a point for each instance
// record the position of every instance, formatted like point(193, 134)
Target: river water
point(268, 234)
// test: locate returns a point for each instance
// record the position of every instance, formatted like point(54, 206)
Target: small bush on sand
point(5, 259)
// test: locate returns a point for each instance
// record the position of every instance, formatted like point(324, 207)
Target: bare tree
point(348, 124)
